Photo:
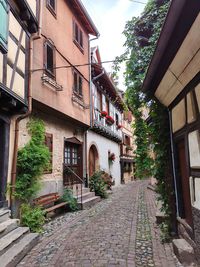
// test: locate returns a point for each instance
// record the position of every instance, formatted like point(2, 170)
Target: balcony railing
point(101, 126)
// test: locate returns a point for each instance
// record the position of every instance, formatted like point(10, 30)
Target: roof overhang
point(83, 15)
point(180, 18)
point(107, 86)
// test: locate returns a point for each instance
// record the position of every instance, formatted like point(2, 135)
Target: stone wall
point(60, 129)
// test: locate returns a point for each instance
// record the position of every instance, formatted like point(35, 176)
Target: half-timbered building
point(105, 134)
point(18, 20)
point(173, 78)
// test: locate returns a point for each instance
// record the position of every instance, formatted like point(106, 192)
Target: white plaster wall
point(103, 145)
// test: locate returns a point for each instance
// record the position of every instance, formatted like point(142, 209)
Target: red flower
point(104, 113)
point(119, 126)
point(109, 119)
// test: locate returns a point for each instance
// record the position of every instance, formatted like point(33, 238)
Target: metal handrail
point(81, 180)
point(74, 173)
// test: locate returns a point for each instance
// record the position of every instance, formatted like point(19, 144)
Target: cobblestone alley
point(119, 231)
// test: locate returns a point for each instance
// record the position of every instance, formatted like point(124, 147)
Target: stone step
point(184, 252)
point(16, 253)
point(4, 215)
point(7, 226)
point(8, 240)
point(86, 196)
point(89, 202)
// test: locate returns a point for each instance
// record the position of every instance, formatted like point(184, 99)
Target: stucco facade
point(103, 146)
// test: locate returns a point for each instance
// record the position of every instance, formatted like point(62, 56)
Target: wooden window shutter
point(4, 9)
point(80, 85)
point(49, 144)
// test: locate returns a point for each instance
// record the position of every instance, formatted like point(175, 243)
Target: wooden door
point(184, 178)
point(72, 161)
point(92, 161)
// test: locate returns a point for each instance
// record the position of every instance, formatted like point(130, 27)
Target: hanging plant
point(109, 120)
point(104, 113)
point(111, 157)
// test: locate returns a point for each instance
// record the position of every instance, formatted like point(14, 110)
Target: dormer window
point(49, 58)
point(77, 35)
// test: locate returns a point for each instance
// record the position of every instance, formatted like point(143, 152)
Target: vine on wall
point(141, 37)
point(32, 160)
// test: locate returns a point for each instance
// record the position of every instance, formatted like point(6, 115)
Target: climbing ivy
point(141, 37)
point(32, 160)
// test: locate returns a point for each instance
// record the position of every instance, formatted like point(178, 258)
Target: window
point(78, 35)
point(51, 5)
point(3, 26)
point(99, 100)
point(49, 144)
point(49, 58)
point(117, 119)
point(78, 84)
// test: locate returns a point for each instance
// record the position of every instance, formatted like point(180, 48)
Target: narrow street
point(118, 231)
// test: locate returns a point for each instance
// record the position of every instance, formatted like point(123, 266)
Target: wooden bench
point(47, 202)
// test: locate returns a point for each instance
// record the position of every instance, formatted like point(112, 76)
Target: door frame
point(182, 139)
point(74, 141)
point(4, 156)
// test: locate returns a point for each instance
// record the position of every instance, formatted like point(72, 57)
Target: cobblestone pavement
point(119, 231)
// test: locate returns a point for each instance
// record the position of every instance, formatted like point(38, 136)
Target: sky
point(110, 17)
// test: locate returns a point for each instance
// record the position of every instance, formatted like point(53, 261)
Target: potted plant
point(104, 113)
point(109, 120)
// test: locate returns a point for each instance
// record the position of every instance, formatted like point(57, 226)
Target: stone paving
point(119, 231)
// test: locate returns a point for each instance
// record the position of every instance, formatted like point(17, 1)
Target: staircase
point(88, 198)
point(15, 241)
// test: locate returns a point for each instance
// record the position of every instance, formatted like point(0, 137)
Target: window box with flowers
point(119, 126)
point(104, 113)
point(109, 120)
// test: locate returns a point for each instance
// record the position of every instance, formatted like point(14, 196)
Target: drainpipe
point(16, 137)
point(173, 164)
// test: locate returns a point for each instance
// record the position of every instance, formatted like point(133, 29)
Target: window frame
point(49, 73)
point(50, 8)
point(78, 37)
point(79, 80)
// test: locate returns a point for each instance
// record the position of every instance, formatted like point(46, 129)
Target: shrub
point(98, 185)
point(32, 217)
point(107, 179)
point(70, 199)
point(32, 160)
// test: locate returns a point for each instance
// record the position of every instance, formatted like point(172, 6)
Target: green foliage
point(98, 185)
point(32, 217)
point(70, 199)
point(165, 230)
point(141, 35)
point(32, 160)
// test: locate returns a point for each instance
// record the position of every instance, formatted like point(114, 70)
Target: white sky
point(110, 17)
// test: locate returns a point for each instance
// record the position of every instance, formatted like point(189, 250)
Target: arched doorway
point(93, 160)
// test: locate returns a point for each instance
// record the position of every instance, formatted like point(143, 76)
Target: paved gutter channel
point(143, 248)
